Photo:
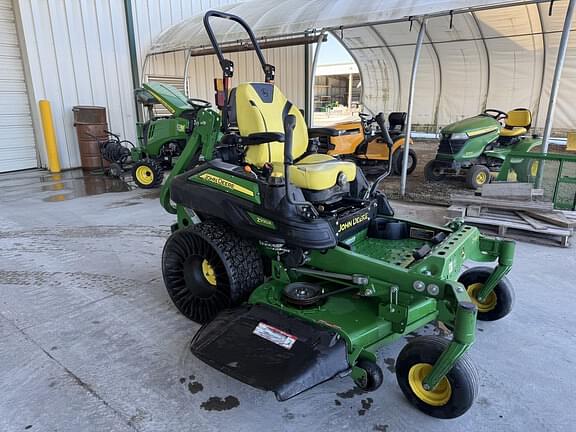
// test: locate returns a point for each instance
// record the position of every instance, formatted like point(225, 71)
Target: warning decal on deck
point(274, 335)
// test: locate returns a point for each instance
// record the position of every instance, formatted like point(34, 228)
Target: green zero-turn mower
point(476, 146)
point(162, 138)
point(298, 269)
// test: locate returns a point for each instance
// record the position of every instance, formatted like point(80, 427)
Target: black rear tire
point(397, 160)
point(432, 173)
point(208, 268)
point(453, 396)
point(147, 174)
point(499, 303)
point(477, 176)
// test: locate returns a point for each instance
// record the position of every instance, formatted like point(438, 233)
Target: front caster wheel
point(373, 378)
point(454, 394)
point(208, 268)
point(500, 301)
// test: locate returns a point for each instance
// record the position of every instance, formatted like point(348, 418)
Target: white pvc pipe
point(312, 79)
point(554, 89)
point(417, 51)
point(186, 65)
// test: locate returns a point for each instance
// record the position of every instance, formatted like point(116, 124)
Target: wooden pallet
point(511, 225)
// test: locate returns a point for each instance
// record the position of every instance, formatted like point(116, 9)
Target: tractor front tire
point(398, 159)
point(147, 174)
point(453, 395)
point(207, 268)
point(500, 301)
point(432, 173)
point(477, 176)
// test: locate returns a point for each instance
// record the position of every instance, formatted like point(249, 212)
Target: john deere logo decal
point(352, 222)
point(226, 184)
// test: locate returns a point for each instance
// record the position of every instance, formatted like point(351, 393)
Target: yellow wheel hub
point(209, 273)
point(489, 302)
point(438, 396)
point(481, 177)
point(534, 168)
point(144, 175)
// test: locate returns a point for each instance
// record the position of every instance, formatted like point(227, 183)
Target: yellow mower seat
point(261, 107)
point(320, 171)
point(518, 131)
point(517, 123)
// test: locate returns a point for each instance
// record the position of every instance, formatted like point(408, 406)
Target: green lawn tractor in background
point(297, 268)
point(477, 146)
point(162, 138)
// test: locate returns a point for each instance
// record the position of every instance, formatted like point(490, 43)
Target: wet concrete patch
point(390, 364)
point(87, 185)
point(366, 405)
point(349, 394)
point(195, 387)
point(191, 384)
point(216, 403)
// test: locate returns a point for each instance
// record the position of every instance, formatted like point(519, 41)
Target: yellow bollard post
point(571, 141)
point(49, 136)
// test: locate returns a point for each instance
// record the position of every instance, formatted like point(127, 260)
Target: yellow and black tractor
point(364, 142)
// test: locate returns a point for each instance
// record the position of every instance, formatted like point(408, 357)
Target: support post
point(417, 51)
point(312, 79)
point(349, 91)
point(49, 136)
point(554, 89)
point(307, 113)
point(133, 55)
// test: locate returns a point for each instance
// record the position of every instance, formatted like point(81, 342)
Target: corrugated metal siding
point(289, 63)
point(78, 55)
point(17, 144)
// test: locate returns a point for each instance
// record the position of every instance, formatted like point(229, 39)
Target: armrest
point(262, 138)
point(322, 131)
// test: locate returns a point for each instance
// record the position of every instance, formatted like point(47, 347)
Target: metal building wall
point(77, 54)
point(289, 63)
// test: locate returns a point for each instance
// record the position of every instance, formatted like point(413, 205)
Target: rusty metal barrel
point(91, 125)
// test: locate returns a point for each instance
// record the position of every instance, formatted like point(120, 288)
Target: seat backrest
point(261, 107)
point(396, 121)
point(519, 117)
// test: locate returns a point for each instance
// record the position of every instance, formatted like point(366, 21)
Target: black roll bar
point(227, 65)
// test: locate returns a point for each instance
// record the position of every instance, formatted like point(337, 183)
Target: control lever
point(389, 143)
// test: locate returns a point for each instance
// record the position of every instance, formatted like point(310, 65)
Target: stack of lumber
point(515, 210)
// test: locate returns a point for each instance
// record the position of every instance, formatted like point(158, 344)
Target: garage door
point(17, 143)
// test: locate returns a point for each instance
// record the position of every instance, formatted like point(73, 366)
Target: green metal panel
point(164, 131)
point(203, 139)
point(170, 97)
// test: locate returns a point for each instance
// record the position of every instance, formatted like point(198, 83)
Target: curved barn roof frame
point(374, 32)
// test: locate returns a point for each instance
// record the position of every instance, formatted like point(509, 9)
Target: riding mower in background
point(477, 146)
point(298, 269)
point(364, 143)
point(162, 138)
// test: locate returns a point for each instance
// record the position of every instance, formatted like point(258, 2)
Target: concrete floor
point(91, 342)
